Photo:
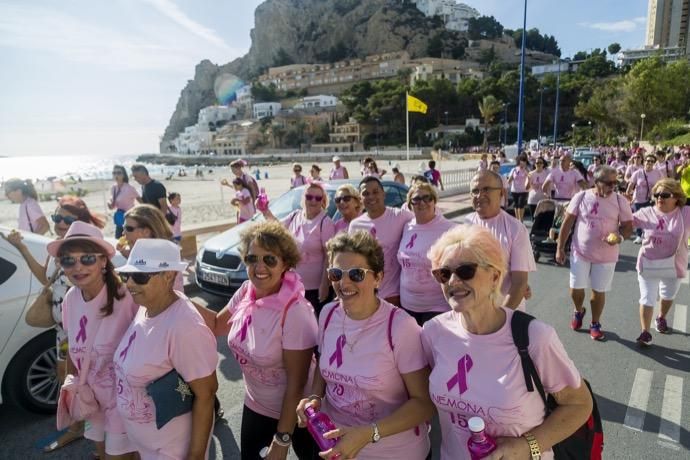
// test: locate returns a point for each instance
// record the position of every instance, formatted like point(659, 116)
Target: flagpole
point(407, 124)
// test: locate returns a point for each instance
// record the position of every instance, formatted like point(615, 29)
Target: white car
point(28, 358)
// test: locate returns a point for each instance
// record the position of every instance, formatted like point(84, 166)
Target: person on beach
point(70, 209)
point(349, 205)
point(236, 168)
point(434, 175)
point(315, 174)
point(338, 171)
point(640, 187)
point(167, 339)
point(372, 376)
point(175, 214)
point(564, 179)
point(397, 175)
point(271, 330)
point(298, 179)
point(518, 180)
point(371, 169)
point(243, 201)
point(312, 228)
point(31, 217)
point(96, 312)
point(535, 180)
point(420, 296)
point(123, 197)
point(386, 224)
point(152, 191)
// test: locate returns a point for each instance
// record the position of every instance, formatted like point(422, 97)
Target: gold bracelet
point(535, 450)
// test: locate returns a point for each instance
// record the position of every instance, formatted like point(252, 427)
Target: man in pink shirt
point(386, 225)
point(338, 171)
point(487, 193)
point(602, 220)
point(565, 180)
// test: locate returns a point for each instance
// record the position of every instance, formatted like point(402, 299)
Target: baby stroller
point(548, 215)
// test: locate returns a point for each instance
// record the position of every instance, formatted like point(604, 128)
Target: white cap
point(153, 255)
point(476, 424)
point(336, 158)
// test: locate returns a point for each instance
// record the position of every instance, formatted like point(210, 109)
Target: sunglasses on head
point(663, 195)
point(68, 220)
point(138, 277)
point(344, 199)
point(355, 274)
point(310, 197)
point(419, 198)
point(86, 260)
point(464, 271)
point(269, 260)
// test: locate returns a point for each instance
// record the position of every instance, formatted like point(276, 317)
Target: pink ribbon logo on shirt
point(460, 379)
point(123, 353)
point(595, 209)
point(661, 225)
point(82, 329)
point(373, 231)
point(410, 245)
point(337, 355)
point(245, 325)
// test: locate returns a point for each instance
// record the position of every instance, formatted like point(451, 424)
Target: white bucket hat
point(153, 255)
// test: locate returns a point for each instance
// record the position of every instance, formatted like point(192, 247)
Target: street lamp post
point(642, 117)
point(446, 113)
point(558, 93)
point(541, 100)
point(591, 133)
point(573, 126)
point(521, 105)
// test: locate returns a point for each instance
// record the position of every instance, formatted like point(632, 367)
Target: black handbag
point(171, 396)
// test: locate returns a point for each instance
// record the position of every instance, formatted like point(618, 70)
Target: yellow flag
point(415, 105)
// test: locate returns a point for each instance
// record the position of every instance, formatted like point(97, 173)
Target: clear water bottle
point(480, 443)
point(318, 424)
point(262, 200)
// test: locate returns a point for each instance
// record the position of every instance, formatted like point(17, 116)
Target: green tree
point(435, 46)
point(262, 93)
point(614, 48)
point(281, 58)
point(488, 108)
point(484, 27)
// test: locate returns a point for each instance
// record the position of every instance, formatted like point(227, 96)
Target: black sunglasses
point(309, 197)
point(118, 173)
point(355, 274)
point(663, 195)
point(464, 271)
point(138, 277)
point(68, 220)
point(130, 229)
point(269, 260)
point(418, 199)
point(86, 260)
point(344, 199)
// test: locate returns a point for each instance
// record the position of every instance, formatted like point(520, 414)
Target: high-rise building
point(668, 24)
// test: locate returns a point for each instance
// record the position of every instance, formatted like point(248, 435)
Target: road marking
point(639, 397)
point(669, 429)
point(680, 318)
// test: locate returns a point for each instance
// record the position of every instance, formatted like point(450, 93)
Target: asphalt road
point(643, 395)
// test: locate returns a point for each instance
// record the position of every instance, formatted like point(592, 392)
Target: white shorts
point(653, 288)
point(584, 274)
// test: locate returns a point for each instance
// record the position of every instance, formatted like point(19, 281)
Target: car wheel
point(31, 379)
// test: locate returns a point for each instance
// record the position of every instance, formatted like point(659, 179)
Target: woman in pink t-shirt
point(535, 181)
point(518, 180)
point(635, 164)
point(175, 210)
point(96, 312)
point(420, 296)
point(271, 330)
point(349, 205)
point(640, 187)
point(476, 369)
point(298, 179)
point(372, 377)
point(666, 228)
point(122, 198)
point(243, 200)
point(31, 217)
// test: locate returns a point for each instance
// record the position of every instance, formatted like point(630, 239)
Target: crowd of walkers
point(381, 320)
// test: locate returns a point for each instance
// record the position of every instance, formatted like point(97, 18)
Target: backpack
point(587, 442)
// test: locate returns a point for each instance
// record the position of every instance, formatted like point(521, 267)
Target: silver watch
point(376, 437)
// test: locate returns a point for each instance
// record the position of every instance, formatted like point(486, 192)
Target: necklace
point(351, 346)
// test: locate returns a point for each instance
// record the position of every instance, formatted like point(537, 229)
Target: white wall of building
point(266, 109)
point(314, 102)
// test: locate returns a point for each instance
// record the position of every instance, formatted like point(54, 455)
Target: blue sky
point(103, 77)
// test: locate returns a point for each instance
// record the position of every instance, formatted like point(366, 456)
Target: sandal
point(63, 438)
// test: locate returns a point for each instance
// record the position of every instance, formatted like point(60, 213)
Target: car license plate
point(215, 278)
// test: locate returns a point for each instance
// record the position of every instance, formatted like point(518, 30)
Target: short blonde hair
point(479, 242)
point(359, 242)
point(674, 187)
point(274, 237)
point(324, 200)
point(151, 217)
point(351, 191)
point(421, 187)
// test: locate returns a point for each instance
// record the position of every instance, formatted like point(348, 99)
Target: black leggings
point(257, 433)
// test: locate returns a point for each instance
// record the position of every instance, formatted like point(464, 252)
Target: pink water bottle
point(480, 443)
point(318, 424)
point(262, 201)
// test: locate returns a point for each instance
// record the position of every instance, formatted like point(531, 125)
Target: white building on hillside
point(315, 102)
point(266, 109)
point(455, 15)
point(215, 114)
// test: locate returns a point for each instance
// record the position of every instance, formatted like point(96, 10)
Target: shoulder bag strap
point(329, 316)
point(519, 326)
point(390, 328)
point(647, 197)
point(28, 217)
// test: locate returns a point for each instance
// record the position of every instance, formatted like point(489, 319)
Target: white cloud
point(626, 25)
point(173, 12)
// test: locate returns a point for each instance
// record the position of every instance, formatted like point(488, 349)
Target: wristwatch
point(534, 449)
point(283, 439)
point(376, 437)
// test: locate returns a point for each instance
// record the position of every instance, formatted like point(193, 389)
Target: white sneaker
point(637, 240)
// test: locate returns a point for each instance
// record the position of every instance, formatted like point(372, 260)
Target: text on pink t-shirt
point(664, 236)
point(519, 176)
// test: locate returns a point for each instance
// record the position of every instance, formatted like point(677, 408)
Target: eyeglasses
point(464, 271)
point(610, 183)
point(663, 195)
point(651, 162)
point(344, 199)
point(130, 229)
point(419, 198)
point(86, 260)
point(310, 197)
point(483, 190)
point(269, 260)
point(138, 277)
point(355, 274)
point(68, 220)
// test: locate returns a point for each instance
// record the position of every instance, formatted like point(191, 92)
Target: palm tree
point(489, 107)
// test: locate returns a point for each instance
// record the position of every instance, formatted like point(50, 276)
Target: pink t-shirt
point(125, 197)
point(597, 217)
point(364, 376)
point(483, 165)
point(537, 180)
point(630, 170)
point(247, 210)
point(258, 337)
point(419, 291)
point(519, 176)
point(85, 325)
point(176, 338)
point(481, 375)
point(29, 211)
point(177, 226)
point(644, 182)
point(311, 237)
point(618, 165)
point(387, 229)
point(664, 236)
point(341, 226)
point(665, 167)
point(337, 173)
point(298, 181)
point(514, 239)
point(565, 183)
